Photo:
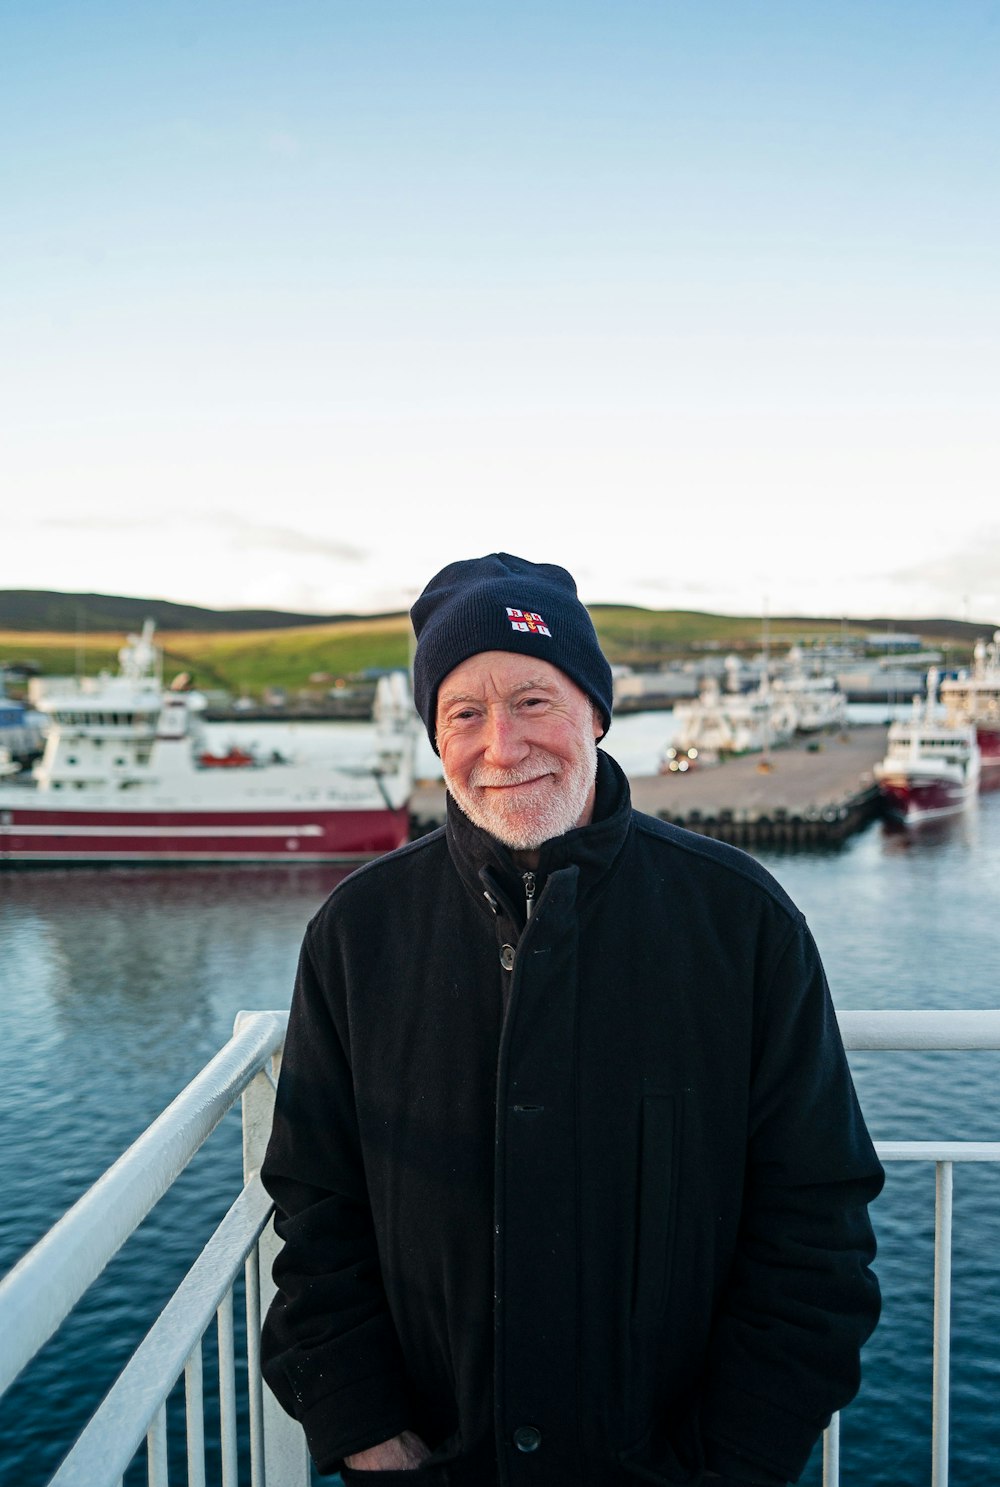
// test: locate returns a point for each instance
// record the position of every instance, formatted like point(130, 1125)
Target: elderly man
point(567, 1161)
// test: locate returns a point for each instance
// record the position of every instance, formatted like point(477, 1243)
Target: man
point(567, 1161)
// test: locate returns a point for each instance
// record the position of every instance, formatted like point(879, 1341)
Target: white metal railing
point(932, 1031)
point(42, 1289)
point(46, 1284)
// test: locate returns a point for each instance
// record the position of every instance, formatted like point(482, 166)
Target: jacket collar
point(591, 849)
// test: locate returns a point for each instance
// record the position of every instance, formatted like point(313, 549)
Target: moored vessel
point(817, 699)
point(932, 766)
point(974, 697)
point(128, 776)
point(731, 722)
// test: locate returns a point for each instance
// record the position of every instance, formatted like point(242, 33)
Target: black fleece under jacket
point(581, 1199)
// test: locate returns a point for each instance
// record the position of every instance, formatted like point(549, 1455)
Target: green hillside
point(246, 661)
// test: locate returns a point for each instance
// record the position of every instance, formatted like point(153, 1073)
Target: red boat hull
point(921, 800)
point(29, 834)
point(988, 739)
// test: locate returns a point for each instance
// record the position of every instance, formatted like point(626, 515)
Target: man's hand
point(403, 1453)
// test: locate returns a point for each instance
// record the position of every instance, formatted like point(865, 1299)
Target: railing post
point(831, 1453)
point(286, 1457)
point(942, 1324)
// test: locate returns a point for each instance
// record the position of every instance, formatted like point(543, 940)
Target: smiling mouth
point(515, 784)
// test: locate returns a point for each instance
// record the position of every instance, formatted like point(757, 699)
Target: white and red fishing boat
point(931, 767)
point(974, 697)
point(129, 775)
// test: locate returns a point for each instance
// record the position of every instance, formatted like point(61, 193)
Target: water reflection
point(960, 829)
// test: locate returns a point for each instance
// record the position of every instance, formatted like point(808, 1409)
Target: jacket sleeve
point(329, 1348)
point(800, 1299)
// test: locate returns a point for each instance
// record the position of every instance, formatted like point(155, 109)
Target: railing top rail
point(937, 1030)
point(920, 1030)
point(938, 1151)
point(45, 1285)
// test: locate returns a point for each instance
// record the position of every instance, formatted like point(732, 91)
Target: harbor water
point(118, 985)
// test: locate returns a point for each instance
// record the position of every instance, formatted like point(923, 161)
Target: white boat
point(932, 766)
point(731, 722)
point(974, 697)
point(128, 775)
point(818, 701)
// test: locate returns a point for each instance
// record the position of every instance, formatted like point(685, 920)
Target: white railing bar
point(49, 1280)
point(194, 1407)
point(942, 1324)
point(227, 1393)
point(831, 1453)
point(156, 1449)
point(253, 1371)
point(938, 1151)
point(933, 1031)
point(286, 1455)
point(115, 1432)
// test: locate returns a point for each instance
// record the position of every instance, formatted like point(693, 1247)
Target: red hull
point(29, 834)
point(915, 800)
point(989, 746)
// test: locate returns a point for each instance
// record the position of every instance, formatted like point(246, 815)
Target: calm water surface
point(117, 986)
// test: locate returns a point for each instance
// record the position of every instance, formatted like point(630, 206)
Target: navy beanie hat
point(503, 603)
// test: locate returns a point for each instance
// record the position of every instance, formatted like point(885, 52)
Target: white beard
point(554, 807)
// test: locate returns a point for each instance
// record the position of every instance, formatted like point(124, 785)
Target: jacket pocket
point(656, 1210)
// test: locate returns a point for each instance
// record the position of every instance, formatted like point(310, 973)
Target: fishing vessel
point(818, 701)
point(129, 775)
point(974, 697)
point(932, 766)
point(721, 722)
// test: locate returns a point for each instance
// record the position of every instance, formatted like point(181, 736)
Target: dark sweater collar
point(592, 849)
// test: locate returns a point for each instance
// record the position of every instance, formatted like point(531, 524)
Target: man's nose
point(505, 742)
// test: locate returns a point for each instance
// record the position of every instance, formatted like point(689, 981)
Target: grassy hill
point(246, 660)
point(34, 610)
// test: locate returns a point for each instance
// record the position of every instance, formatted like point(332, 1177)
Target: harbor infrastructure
point(42, 1289)
point(813, 791)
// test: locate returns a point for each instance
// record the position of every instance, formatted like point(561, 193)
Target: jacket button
point(507, 961)
point(527, 1438)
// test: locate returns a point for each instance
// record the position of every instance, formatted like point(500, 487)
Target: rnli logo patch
point(527, 621)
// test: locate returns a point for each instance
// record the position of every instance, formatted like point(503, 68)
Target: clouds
point(965, 578)
point(236, 531)
point(248, 534)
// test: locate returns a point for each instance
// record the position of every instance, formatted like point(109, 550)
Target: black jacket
point(600, 1218)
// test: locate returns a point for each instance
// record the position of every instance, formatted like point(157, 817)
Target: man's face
point(518, 743)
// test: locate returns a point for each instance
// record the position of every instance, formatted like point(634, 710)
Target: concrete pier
point(812, 792)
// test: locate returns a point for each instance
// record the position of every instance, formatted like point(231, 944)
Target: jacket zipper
point(528, 879)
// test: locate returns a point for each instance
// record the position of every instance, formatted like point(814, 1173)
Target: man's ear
point(598, 720)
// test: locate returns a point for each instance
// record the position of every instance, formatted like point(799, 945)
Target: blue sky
point(302, 301)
